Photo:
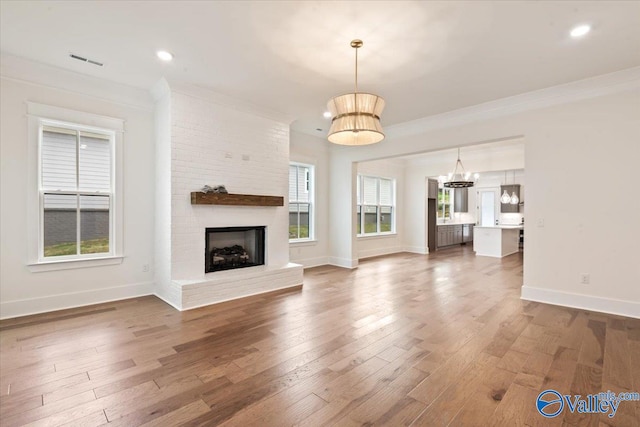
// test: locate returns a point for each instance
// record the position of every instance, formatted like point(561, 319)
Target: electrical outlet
point(145, 268)
point(585, 278)
point(228, 155)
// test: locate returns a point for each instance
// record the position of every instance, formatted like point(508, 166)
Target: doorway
point(487, 206)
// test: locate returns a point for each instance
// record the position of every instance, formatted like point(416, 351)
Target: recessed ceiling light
point(164, 55)
point(319, 130)
point(580, 31)
point(327, 114)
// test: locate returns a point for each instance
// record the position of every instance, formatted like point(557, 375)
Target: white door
point(487, 202)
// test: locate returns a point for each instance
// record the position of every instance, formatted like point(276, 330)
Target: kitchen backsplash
point(511, 218)
point(463, 218)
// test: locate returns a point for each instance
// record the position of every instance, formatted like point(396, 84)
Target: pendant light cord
point(356, 91)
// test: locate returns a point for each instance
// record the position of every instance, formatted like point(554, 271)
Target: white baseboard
point(416, 250)
point(166, 300)
point(343, 262)
point(312, 262)
point(379, 252)
point(584, 302)
point(25, 307)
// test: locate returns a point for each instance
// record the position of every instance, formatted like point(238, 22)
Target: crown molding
point(222, 100)
point(592, 87)
point(22, 70)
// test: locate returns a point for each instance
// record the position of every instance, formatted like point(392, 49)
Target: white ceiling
point(424, 58)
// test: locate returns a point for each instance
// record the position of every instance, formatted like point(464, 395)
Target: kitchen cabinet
point(451, 234)
point(442, 236)
point(432, 189)
point(457, 234)
point(508, 207)
point(461, 200)
point(496, 241)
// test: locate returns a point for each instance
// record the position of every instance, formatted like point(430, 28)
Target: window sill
point(307, 242)
point(69, 264)
point(379, 235)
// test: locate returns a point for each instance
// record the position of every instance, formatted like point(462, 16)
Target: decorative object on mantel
point(217, 189)
point(460, 179)
point(211, 198)
point(356, 116)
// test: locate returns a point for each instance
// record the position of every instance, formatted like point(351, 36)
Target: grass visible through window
point(95, 246)
point(293, 232)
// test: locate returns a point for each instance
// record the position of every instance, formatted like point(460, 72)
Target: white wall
point(370, 246)
point(314, 151)
point(163, 191)
point(585, 134)
point(21, 290)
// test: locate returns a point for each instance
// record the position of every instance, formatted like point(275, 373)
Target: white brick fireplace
point(202, 140)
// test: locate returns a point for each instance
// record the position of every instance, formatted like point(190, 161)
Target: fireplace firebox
point(228, 248)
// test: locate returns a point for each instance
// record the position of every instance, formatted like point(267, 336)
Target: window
point(75, 201)
point(376, 205)
point(300, 202)
point(445, 198)
point(76, 192)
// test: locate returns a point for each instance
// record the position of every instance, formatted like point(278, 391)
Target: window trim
point(359, 203)
point(450, 191)
point(40, 115)
point(310, 181)
point(79, 193)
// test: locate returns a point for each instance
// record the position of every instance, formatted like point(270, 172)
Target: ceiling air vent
point(90, 61)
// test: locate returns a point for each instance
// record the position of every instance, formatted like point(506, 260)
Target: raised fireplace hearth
point(228, 248)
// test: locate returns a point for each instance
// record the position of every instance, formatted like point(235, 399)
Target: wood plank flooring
point(436, 340)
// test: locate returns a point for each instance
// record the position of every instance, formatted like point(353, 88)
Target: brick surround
point(214, 144)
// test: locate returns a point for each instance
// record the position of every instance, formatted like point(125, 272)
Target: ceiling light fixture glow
point(356, 116)
point(164, 55)
point(327, 114)
point(580, 31)
point(460, 178)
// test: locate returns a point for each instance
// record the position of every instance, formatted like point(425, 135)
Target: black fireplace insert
point(228, 248)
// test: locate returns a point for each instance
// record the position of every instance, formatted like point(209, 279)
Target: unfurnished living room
point(317, 213)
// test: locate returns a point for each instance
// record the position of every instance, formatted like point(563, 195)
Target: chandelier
point(356, 116)
point(460, 178)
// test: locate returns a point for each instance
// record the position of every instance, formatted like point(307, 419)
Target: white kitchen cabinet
point(496, 241)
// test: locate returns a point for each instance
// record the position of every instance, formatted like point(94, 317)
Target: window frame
point(78, 129)
point(309, 189)
point(451, 195)
point(360, 206)
point(39, 116)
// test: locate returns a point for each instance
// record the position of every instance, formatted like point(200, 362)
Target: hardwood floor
point(406, 339)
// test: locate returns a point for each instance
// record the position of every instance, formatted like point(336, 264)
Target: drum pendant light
point(356, 116)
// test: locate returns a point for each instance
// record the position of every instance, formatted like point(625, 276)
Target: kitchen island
point(496, 240)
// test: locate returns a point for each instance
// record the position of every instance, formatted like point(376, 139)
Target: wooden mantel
point(200, 198)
